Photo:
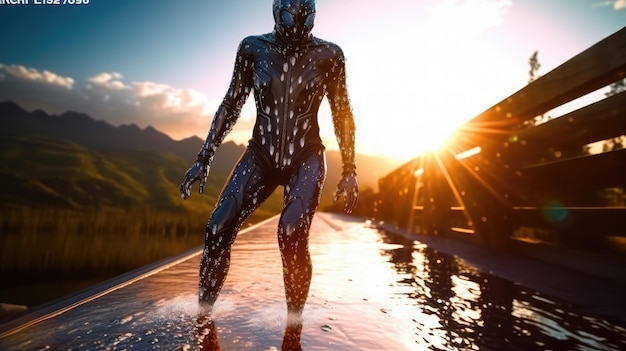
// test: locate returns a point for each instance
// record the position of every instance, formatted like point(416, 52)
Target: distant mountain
point(94, 135)
point(91, 144)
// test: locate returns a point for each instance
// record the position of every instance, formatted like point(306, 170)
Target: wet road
point(371, 290)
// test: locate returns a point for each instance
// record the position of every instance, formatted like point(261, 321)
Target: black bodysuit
point(289, 83)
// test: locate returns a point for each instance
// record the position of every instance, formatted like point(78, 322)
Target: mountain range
point(74, 160)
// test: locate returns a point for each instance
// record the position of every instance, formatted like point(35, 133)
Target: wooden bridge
point(371, 290)
point(516, 174)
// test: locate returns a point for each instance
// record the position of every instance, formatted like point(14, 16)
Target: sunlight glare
point(472, 16)
point(468, 153)
point(423, 90)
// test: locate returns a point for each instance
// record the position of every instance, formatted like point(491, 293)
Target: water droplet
point(326, 328)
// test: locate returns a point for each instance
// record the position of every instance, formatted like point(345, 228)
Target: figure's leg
point(244, 191)
point(219, 236)
point(301, 199)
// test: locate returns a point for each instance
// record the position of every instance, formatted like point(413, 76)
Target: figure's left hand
point(197, 172)
point(349, 189)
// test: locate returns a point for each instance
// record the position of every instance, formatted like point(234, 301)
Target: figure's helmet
point(294, 19)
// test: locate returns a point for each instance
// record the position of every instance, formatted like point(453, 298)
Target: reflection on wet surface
point(371, 291)
point(460, 308)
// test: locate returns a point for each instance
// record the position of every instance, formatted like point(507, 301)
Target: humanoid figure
point(289, 72)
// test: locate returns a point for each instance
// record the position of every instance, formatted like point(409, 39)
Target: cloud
point(108, 96)
point(30, 74)
point(111, 81)
point(616, 4)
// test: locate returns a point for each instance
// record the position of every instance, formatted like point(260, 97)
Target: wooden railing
point(505, 176)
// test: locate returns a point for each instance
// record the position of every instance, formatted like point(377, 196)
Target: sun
point(436, 133)
point(427, 135)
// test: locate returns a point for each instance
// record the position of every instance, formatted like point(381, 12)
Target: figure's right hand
point(198, 171)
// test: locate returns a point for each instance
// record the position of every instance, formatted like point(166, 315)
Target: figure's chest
point(277, 73)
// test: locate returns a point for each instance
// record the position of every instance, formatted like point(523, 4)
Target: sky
point(416, 69)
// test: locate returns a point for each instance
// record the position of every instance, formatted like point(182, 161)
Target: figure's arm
point(227, 114)
point(343, 121)
point(229, 110)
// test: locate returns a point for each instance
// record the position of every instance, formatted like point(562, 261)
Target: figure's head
point(294, 19)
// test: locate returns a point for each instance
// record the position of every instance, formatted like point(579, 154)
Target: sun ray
point(453, 187)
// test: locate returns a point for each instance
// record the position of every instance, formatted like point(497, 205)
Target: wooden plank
point(594, 68)
point(579, 174)
point(599, 121)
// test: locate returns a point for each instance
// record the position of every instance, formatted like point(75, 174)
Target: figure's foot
point(293, 333)
point(206, 333)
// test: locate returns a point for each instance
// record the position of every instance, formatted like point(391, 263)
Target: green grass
point(61, 242)
point(70, 243)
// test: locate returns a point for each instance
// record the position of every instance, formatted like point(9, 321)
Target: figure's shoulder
point(330, 47)
point(254, 43)
point(321, 42)
point(258, 40)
